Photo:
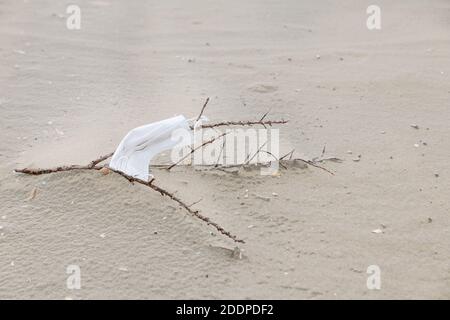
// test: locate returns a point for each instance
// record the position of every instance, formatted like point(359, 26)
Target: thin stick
point(201, 112)
point(220, 154)
point(288, 154)
point(193, 150)
point(257, 151)
point(243, 123)
point(38, 171)
point(203, 109)
point(194, 203)
point(315, 165)
point(323, 150)
point(262, 118)
point(172, 196)
point(100, 159)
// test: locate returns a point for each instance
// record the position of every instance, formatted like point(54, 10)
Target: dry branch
point(93, 165)
point(243, 123)
point(38, 171)
point(133, 180)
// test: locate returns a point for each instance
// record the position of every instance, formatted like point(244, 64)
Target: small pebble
point(102, 235)
point(262, 198)
point(415, 126)
point(377, 231)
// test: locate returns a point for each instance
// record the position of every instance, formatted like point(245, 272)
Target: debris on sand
point(32, 194)
point(104, 171)
point(262, 197)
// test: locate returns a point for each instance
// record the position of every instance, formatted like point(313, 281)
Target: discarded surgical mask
point(140, 145)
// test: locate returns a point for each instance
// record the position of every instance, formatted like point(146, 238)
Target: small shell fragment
point(104, 171)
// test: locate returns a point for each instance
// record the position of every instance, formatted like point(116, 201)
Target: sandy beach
point(377, 99)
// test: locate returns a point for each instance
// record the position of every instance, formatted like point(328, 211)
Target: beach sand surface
point(69, 96)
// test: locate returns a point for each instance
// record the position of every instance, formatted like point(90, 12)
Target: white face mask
point(140, 145)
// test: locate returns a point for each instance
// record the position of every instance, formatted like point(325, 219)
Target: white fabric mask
point(140, 145)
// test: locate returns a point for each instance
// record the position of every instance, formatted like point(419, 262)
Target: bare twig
point(243, 123)
point(57, 169)
point(201, 112)
point(172, 196)
point(263, 117)
point(195, 213)
point(288, 154)
point(220, 153)
point(323, 150)
point(100, 159)
point(133, 180)
point(195, 202)
point(256, 153)
point(311, 163)
point(193, 150)
point(203, 109)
